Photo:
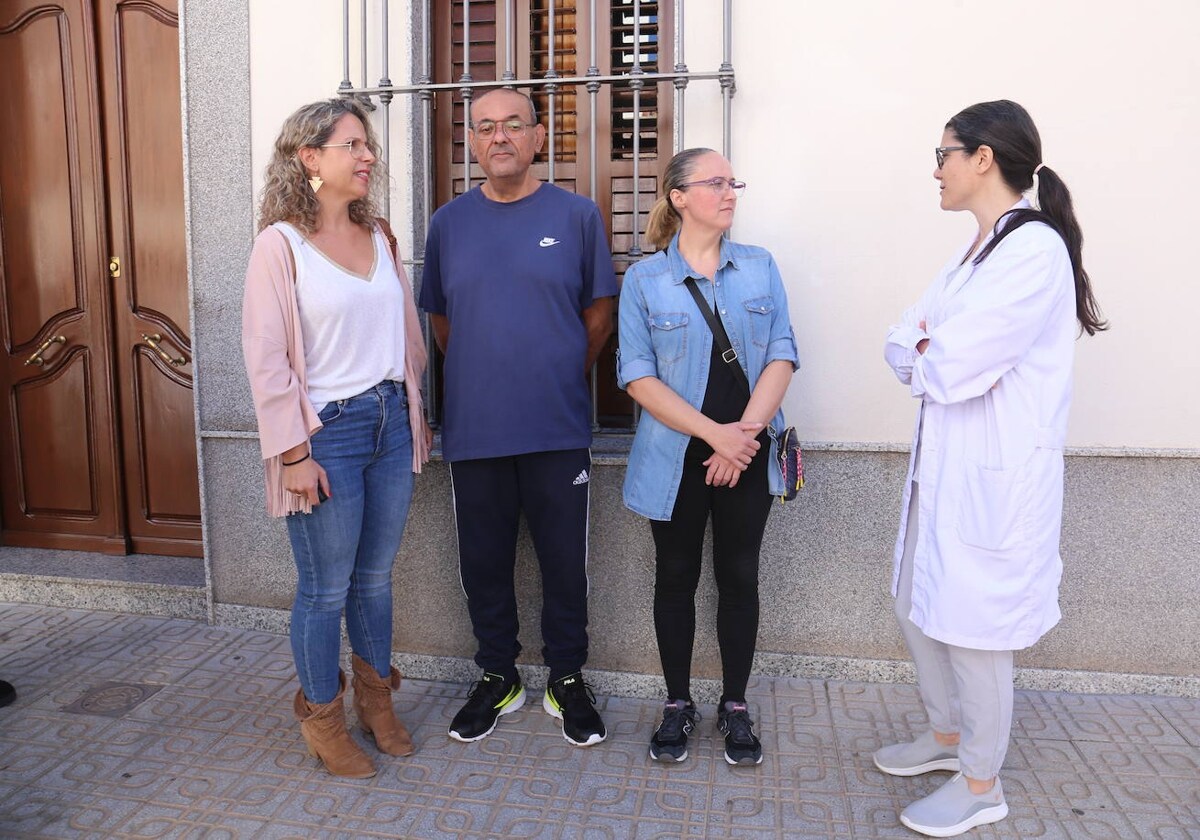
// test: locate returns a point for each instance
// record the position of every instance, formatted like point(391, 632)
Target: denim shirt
point(663, 334)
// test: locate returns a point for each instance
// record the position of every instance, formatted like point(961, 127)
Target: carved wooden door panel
point(139, 74)
point(97, 437)
point(58, 470)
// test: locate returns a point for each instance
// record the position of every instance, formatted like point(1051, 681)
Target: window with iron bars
point(608, 79)
point(536, 45)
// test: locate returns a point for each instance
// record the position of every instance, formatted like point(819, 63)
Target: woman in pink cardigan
point(335, 355)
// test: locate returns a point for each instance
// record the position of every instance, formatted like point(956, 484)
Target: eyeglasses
point(940, 153)
point(358, 149)
point(718, 185)
point(486, 129)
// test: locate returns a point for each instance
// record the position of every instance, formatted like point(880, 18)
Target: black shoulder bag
point(787, 443)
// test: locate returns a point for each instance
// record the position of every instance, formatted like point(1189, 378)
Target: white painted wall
point(296, 58)
point(838, 108)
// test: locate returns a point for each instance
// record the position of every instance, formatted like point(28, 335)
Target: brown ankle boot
point(324, 729)
point(373, 705)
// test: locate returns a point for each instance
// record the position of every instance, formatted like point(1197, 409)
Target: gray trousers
point(964, 690)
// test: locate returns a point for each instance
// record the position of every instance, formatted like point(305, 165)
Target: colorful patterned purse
point(791, 462)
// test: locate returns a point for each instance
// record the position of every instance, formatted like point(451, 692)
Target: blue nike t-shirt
point(513, 280)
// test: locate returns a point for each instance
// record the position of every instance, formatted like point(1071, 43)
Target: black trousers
point(739, 517)
point(490, 494)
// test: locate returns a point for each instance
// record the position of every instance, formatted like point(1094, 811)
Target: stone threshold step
point(136, 583)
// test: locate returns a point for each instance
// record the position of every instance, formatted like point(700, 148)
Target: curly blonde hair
point(286, 195)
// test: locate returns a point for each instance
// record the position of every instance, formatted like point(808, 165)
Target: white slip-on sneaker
point(952, 809)
point(916, 757)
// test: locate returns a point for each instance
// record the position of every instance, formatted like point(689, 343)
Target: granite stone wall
point(1128, 596)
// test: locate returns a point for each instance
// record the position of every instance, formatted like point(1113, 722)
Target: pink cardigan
point(273, 348)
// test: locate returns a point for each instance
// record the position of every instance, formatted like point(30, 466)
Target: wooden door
point(139, 75)
point(58, 452)
point(97, 437)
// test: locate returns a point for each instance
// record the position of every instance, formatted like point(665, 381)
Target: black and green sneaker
point(570, 700)
point(489, 698)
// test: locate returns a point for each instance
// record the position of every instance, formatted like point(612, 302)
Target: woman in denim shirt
point(702, 447)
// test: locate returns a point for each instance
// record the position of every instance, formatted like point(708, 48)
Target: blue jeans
point(346, 547)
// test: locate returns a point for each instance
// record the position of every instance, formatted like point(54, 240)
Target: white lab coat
point(987, 566)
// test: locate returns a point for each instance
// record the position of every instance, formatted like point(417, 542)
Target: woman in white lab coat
point(988, 351)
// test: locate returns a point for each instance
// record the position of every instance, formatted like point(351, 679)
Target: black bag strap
point(728, 354)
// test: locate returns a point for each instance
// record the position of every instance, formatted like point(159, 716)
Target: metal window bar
point(593, 88)
point(423, 81)
point(385, 99)
point(637, 82)
point(551, 90)
point(509, 37)
point(465, 93)
point(363, 39)
point(681, 80)
point(424, 88)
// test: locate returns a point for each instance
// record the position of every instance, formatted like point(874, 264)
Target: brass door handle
point(36, 358)
point(153, 340)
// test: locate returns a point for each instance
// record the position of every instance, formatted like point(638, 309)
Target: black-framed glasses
point(940, 153)
point(357, 148)
point(486, 129)
point(718, 185)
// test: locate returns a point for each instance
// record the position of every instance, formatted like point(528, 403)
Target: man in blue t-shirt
point(519, 285)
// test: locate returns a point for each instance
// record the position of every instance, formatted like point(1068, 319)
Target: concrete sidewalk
point(136, 726)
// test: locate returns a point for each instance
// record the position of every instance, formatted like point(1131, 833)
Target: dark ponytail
point(1016, 146)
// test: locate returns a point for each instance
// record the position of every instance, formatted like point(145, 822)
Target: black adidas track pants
point(552, 490)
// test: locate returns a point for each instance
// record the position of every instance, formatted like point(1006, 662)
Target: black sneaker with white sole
point(570, 700)
point(741, 744)
point(488, 699)
point(670, 739)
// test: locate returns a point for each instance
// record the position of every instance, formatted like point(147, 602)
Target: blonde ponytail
point(664, 220)
point(663, 223)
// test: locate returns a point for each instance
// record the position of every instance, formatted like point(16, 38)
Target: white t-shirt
point(353, 326)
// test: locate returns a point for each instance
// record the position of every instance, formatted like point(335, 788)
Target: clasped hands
point(734, 447)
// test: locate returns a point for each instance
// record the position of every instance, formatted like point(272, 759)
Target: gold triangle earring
point(316, 181)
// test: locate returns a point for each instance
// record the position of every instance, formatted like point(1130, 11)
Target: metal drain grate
point(112, 699)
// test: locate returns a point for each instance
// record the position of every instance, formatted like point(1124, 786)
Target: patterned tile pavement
point(214, 753)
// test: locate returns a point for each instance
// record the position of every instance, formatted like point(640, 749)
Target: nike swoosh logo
point(547, 241)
